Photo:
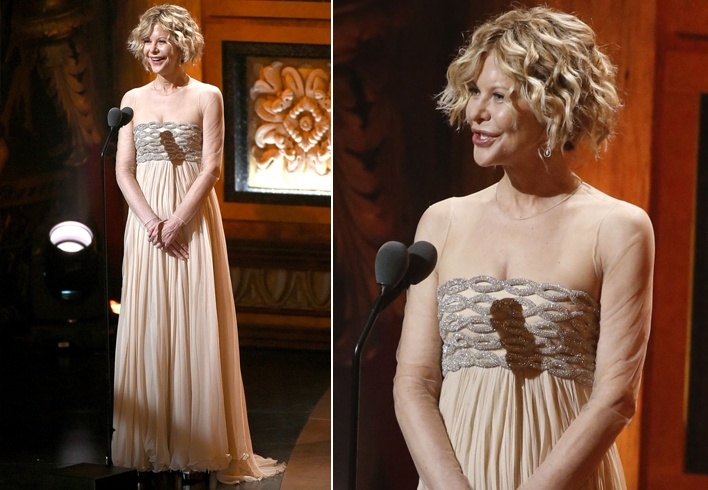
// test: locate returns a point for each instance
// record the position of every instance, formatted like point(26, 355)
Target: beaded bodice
point(174, 142)
point(518, 324)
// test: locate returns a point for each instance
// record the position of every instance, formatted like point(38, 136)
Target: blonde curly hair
point(183, 30)
point(556, 66)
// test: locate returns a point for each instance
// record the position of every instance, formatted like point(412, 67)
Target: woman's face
point(162, 56)
point(504, 129)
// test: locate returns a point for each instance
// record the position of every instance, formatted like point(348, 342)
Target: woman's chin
point(484, 159)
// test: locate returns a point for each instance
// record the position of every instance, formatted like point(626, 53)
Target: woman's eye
point(474, 90)
point(497, 96)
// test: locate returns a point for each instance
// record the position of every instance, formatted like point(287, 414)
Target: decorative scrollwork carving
point(293, 107)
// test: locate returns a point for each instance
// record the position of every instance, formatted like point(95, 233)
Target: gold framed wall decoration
point(277, 103)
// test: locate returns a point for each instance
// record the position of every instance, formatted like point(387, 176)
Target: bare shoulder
point(479, 198)
point(615, 214)
point(206, 91)
point(436, 220)
point(132, 95)
point(629, 214)
point(624, 217)
point(625, 226)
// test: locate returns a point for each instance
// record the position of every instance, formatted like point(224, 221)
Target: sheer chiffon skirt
point(178, 396)
point(502, 425)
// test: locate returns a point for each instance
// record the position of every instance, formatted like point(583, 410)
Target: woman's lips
point(483, 138)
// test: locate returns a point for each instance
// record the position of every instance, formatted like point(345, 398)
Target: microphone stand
point(354, 401)
point(116, 119)
point(106, 305)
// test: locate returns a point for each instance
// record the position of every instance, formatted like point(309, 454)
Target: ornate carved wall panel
point(278, 116)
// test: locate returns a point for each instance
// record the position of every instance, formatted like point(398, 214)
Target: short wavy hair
point(183, 31)
point(556, 66)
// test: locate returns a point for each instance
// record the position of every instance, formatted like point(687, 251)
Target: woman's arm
point(125, 173)
point(419, 377)
point(625, 257)
point(212, 108)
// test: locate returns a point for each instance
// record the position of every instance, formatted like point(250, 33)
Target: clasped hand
point(167, 236)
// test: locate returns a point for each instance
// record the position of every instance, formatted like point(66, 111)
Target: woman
point(179, 401)
point(521, 355)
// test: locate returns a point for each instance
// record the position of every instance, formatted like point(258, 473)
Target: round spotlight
point(70, 261)
point(70, 236)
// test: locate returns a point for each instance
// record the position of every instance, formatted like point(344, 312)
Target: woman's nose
point(476, 110)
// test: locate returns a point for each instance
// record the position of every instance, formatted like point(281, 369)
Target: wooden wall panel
point(682, 75)
point(674, 215)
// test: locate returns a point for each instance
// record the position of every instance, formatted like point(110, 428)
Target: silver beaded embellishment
point(174, 142)
point(530, 325)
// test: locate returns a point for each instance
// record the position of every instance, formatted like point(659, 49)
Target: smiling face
point(161, 55)
point(504, 129)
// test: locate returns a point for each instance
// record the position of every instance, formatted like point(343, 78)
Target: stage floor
point(53, 409)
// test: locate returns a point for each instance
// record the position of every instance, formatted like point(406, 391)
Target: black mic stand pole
point(354, 402)
point(106, 305)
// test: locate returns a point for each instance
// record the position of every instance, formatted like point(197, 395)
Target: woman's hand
point(167, 236)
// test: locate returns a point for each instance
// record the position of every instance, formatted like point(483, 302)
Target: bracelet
point(147, 223)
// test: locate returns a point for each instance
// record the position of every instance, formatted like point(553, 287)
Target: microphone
point(117, 118)
point(126, 115)
point(114, 117)
point(391, 265)
point(422, 257)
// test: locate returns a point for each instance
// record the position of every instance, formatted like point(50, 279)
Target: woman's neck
point(520, 205)
point(171, 83)
point(545, 178)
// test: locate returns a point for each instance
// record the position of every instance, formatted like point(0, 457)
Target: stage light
point(70, 261)
point(115, 306)
point(71, 236)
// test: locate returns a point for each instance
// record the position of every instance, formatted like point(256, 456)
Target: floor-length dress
point(179, 402)
point(530, 348)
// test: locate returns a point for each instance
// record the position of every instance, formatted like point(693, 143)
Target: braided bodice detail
point(518, 324)
point(174, 142)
